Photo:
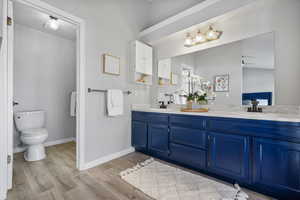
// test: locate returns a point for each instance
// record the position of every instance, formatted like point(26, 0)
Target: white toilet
point(31, 125)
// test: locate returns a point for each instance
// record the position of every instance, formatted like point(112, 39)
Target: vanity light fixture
point(213, 34)
point(52, 23)
point(201, 38)
point(188, 40)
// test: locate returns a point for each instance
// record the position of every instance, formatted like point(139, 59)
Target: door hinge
point(9, 21)
point(9, 159)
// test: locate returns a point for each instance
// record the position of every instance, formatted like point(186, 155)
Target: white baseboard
point(47, 144)
point(107, 158)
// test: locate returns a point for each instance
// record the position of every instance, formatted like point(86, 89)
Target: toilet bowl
point(32, 133)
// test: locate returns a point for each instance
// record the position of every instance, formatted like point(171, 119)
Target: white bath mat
point(163, 182)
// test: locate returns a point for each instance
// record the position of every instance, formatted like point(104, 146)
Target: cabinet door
point(164, 69)
point(277, 167)
point(158, 139)
point(229, 156)
point(148, 59)
point(139, 135)
point(139, 57)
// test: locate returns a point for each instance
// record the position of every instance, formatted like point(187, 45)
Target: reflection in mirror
point(258, 70)
point(231, 74)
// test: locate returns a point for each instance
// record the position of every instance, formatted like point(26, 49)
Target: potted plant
point(202, 99)
point(190, 100)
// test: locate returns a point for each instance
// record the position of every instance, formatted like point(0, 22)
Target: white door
point(10, 128)
point(3, 99)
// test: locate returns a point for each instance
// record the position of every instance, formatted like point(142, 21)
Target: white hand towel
point(115, 101)
point(73, 104)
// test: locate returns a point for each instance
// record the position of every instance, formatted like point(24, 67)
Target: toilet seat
point(35, 132)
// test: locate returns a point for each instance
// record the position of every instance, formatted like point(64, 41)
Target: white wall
point(220, 61)
point(263, 16)
point(1, 12)
point(44, 76)
point(110, 26)
point(161, 10)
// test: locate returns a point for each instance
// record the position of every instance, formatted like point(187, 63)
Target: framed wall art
point(111, 65)
point(221, 83)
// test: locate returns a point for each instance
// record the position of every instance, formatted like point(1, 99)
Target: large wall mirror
point(231, 74)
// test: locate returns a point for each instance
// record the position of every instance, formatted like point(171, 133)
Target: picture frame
point(111, 65)
point(221, 83)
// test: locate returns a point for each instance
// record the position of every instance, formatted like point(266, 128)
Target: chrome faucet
point(171, 98)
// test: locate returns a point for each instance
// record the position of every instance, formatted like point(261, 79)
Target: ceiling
point(27, 16)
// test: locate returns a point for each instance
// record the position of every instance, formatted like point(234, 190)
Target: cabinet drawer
point(195, 122)
point(190, 137)
point(139, 116)
point(155, 118)
point(192, 157)
point(259, 128)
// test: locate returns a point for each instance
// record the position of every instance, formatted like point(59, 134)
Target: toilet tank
point(30, 119)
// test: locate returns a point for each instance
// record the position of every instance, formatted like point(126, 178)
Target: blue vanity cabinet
point(229, 155)
point(259, 154)
point(276, 167)
point(139, 138)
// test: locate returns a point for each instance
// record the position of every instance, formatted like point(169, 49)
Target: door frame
point(3, 109)
point(7, 93)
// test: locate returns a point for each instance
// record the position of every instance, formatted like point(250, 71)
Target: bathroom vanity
point(260, 151)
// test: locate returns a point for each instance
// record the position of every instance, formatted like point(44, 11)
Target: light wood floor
point(56, 178)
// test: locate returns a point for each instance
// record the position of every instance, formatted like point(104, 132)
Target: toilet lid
point(35, 132)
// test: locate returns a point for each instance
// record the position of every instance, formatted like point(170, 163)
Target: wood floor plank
point(56, 178)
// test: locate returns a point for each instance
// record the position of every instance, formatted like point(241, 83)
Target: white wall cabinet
point(164, 69)
point(142, 62)
point(143, 58)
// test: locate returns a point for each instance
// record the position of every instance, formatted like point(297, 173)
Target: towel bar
point(94, 90)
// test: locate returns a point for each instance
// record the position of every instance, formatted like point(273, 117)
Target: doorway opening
point(45, 85)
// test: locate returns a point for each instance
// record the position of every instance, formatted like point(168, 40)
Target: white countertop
point(234, 114)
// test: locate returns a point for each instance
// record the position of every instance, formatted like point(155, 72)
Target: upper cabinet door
point(229, 156)
point(148, 59)
point(143, 58)
point(139, 57)
point(164, 69)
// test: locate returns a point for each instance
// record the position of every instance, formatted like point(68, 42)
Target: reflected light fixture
point(201, 38)
point(52, 23)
